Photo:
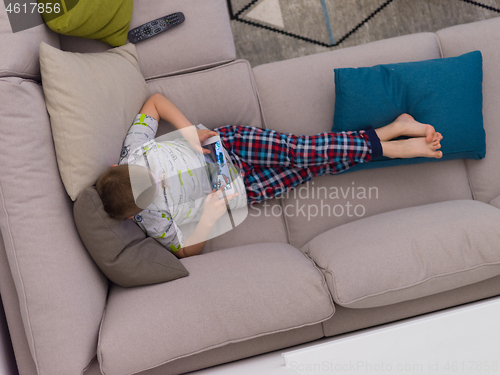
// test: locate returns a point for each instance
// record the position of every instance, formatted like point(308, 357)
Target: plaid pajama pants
point(272, 163)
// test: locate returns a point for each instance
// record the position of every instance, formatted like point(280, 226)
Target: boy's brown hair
point(115, 191)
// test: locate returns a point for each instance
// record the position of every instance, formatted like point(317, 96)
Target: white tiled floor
point(461, 340)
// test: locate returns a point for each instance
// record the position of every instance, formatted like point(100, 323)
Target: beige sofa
point(286, 275)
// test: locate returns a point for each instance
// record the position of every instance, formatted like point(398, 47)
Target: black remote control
point(155, 27)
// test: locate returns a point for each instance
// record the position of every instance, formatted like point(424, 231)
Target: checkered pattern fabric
point(272, 163)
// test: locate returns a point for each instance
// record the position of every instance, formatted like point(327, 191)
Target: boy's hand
point(214, 207)
point(196, 138)
point(203, 135)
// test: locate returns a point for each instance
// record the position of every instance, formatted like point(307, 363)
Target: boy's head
point(117, 192)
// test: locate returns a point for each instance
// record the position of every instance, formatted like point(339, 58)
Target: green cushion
point(104, 20)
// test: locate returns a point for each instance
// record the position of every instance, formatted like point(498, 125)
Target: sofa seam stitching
point(334, 291)
point(9, 233)
point(89, 364)
point(324, 283)
point(285, 221)
point(229, 342)
point(256, 95)
point(323, 280)
point(98, 349)
point(422, 282)
point(223, 65)
point(16, 74)
point(264, 126)
point(440, 47)
point(193, 69)
point(469, 180)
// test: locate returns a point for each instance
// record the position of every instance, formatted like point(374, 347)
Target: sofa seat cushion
point(409, 253)
point(230, 296)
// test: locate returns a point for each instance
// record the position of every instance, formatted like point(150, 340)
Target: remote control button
point(154, 23)
point(157, 30)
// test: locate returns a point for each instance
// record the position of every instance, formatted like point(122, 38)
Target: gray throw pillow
point(120, 248)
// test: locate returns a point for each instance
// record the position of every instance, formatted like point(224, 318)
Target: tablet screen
point(216, 157)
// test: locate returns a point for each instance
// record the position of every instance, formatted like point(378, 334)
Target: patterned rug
point(273, 30)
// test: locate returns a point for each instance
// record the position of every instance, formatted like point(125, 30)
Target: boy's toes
point(436, 145)
point(430, 133)
point(438, 154)
point(437, 137)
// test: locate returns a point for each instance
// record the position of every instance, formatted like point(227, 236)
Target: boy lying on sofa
point(270, 164)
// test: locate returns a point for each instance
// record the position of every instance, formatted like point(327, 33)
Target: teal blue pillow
point(446, 93)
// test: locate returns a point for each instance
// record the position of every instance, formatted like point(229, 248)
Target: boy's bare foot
point(413, 147)
point(412, 128)
point(406, 125)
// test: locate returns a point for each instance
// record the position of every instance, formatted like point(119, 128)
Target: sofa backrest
point(298, 96)
point(19, 50)
point(204, 39)
point(224, 95)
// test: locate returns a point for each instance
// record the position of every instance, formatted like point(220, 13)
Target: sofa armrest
point(485, 37)
point(61, 292)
